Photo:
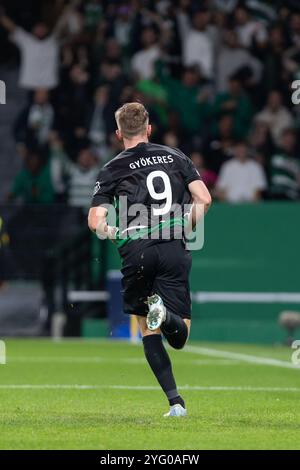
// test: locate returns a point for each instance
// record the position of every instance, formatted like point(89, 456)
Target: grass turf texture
point(114, 418)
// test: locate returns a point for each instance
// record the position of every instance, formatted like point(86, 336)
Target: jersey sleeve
point(104, 190)
point(190, 172)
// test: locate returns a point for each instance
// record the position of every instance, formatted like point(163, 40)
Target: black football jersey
point(147, 186)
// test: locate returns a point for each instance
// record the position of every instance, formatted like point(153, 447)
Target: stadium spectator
point(232, 58)
point(169, 25)
point(276, 115)
point(112, 74)
point(183, 19)
point(122, 25)
point(285, 168)
point(114, 147)
point(236, 103)
point(142, 62)
point(290, 62)
point(226, 6)
point(249, 30)
point(156, 95)
point(189, 96)
point(208, 176)
point(171, 139)
point(198, 46)
point(218, 147)
point(56, 157)
point(98, 117)
point(260, 144)
point(113, 51)
point(35, 122)
point(79, 176)
point(294, 29)
point(39, 54)
point(72, 99)
point(241, 179)
point(208, 74)
point(274, 71)
point(33, 183)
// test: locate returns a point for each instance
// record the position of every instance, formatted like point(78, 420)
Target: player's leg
point(160, 363)
point(170, 306)
point(139, 271)
point(175, 328)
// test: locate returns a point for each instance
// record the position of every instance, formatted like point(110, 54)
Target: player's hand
point(112, 233)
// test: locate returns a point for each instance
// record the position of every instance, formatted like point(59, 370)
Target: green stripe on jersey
point(140, 233)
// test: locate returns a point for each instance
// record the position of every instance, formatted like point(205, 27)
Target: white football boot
point(157, 312)
point(176, 410)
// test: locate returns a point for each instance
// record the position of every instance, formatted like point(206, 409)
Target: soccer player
point(157, 183)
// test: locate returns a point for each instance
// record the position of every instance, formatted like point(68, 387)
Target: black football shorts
point(163, 269)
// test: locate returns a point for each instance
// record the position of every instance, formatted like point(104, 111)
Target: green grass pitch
point(101, 395)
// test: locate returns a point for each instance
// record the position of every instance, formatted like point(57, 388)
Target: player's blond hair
point(132, 119)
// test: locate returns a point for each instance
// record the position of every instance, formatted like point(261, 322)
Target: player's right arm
point(102, 198)
point(98, 224)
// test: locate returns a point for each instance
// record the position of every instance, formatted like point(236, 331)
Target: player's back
point(148, 185)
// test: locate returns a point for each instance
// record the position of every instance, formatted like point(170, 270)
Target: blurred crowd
point(215, 76)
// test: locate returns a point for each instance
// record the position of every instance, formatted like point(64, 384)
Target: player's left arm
point(201, 198)
point(201, 201)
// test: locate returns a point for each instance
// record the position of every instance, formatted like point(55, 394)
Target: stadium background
point(57, 130)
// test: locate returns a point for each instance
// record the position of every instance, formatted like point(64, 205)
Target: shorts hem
point(137, 314)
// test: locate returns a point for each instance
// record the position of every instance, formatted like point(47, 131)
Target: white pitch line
point(220, 388)
point(224, 359)
point(100, 360)
point(145, 388)
point(248, 297)
point(266, 361)
point(76, 360)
